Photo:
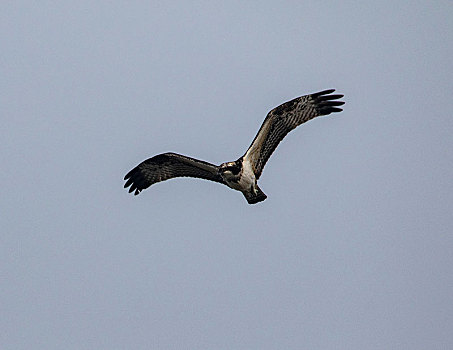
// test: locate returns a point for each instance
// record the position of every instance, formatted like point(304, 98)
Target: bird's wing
point(286, 117)
point(167, 166)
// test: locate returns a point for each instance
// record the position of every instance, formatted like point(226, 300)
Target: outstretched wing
point(167, 166)
point(286, 117)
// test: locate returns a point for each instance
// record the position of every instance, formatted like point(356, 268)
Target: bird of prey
point(241, 174)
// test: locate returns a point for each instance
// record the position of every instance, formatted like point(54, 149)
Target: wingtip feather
point(324, 92)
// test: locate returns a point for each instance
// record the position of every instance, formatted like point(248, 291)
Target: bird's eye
point(234, 170)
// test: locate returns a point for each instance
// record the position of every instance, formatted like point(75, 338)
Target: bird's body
point(244, 180)
point(242, 174)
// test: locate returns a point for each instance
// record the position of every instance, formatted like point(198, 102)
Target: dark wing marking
point(167, 166)
point(286, 117)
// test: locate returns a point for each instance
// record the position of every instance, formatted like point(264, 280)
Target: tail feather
point(252, 197)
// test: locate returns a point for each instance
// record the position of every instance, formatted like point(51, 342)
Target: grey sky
point(351, 250)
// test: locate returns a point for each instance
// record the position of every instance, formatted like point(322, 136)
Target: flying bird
point(242, 174)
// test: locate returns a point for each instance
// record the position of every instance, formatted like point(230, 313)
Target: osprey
point(241, 174)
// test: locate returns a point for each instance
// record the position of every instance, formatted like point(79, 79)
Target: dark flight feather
point(286, 117)
point(167, 166)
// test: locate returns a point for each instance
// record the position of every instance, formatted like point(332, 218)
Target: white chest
point(247, 179)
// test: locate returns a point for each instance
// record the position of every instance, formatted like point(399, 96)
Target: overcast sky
point(351, 250)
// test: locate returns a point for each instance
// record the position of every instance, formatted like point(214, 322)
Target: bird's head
point(230, 170)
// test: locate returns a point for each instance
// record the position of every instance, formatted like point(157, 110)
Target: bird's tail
point(254, 197)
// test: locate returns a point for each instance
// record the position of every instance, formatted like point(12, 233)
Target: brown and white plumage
point(242, 174)
point(166, 166)
point(286, 117)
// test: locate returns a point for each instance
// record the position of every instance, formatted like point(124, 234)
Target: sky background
point(351, 250)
